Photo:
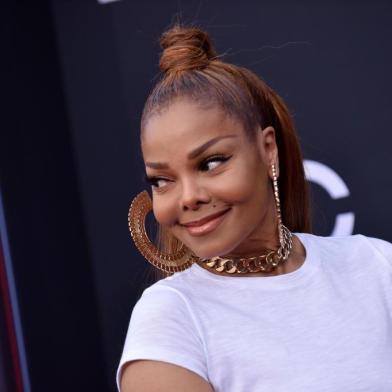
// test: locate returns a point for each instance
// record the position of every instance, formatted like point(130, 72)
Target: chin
point(210, 251)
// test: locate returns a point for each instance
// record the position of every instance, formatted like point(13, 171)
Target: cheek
point(164, 210)
point(243, 185)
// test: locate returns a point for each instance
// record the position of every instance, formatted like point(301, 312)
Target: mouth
point(206, 225)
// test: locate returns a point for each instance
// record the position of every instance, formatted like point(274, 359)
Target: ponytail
point(192, 69)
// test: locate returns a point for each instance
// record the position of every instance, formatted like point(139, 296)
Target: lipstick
point(205, 227)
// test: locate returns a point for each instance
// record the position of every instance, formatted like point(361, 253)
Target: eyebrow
point(193, 154)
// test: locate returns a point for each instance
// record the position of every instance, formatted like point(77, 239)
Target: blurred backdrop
point(76, 74)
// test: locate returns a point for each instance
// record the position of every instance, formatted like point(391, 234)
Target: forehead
point(184, 125)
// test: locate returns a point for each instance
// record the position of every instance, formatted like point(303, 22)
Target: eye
point(156, 182)
point(213, 162)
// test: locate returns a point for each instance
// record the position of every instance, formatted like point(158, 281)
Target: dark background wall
point(77, 74)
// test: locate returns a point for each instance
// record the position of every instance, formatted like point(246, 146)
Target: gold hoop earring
point(141, 205)
point(285, 236)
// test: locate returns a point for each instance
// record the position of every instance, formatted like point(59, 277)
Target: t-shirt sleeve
point(163, 328)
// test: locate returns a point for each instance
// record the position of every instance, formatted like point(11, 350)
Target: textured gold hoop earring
point(141, 205)
point(285, 236)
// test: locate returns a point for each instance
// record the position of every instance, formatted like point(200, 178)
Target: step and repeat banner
point(330, 61)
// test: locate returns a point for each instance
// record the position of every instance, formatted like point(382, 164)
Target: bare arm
point(157, 376)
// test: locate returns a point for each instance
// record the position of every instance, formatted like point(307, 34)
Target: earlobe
point(270, 150)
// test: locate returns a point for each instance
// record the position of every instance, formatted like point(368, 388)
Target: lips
point(207, 224)
point(204, 220)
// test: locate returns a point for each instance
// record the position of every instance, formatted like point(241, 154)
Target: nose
point(193, 195)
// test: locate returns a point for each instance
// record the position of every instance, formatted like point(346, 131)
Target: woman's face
point(211, 185)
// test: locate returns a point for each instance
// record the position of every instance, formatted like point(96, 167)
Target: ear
point(268, 149)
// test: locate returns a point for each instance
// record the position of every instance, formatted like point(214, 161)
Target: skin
point(157, 376)
point(188, 189)
point(233, 173)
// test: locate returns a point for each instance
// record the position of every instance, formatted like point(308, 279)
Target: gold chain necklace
point(260, 263)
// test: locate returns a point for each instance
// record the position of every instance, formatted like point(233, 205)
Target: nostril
point(193, 196)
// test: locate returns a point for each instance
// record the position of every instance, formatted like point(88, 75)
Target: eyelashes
point(205, 165)
point(216, 158)
point(153, 181)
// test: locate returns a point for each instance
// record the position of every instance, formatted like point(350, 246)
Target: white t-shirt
point(325, 327)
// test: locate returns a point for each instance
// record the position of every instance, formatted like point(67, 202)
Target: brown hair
point(192, 69)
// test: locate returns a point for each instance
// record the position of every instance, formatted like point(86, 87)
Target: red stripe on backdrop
point(4, 291)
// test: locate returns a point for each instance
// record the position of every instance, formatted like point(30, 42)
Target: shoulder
point(160, 292)
point(172, 291)
point(381, 247)
point(178, 289)
point(352, 247)
point(163, 303)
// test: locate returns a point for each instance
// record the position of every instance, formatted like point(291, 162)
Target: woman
point(253, 301)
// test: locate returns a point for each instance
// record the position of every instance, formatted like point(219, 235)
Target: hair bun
point(185, 48)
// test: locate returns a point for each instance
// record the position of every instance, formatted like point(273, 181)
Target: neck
point(259, 242)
